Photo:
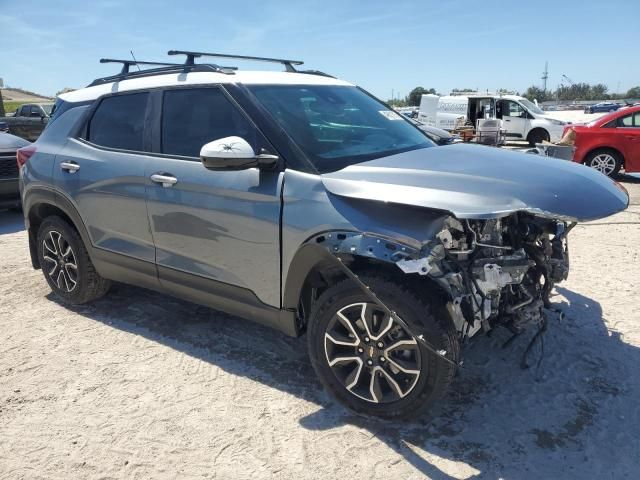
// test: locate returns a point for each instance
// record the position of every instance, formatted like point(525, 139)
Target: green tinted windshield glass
point(336, 126)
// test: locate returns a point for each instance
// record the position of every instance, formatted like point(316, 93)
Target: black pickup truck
point(28, 121)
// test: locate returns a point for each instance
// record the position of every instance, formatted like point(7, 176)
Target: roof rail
point(163, 67)
point(191, 56)
point(128, 63)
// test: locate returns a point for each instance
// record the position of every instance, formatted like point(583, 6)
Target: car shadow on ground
point(11, 221)
point(564, 419)
point(629, 178)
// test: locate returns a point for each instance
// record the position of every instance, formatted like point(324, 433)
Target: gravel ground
point(138, 385)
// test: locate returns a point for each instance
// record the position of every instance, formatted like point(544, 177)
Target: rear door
point(102, 173)
point(18, 126)
point(212, 226)
point(628, 133)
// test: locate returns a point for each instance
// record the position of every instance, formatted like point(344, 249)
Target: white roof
point(200, 78)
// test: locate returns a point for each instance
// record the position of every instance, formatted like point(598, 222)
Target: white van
point(521, 118)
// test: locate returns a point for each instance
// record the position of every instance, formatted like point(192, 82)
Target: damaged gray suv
point(300, 201)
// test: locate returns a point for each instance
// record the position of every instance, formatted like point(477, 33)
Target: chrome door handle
point(70, 167)
point(166, 180)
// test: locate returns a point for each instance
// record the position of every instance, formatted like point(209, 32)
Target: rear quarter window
point(118, 122)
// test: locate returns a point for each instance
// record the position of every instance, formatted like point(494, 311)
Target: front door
point(514, 118)
point(216, 227)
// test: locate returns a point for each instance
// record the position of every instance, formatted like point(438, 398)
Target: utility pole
point(545, 75)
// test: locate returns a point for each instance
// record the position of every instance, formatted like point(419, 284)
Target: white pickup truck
point(521, 118)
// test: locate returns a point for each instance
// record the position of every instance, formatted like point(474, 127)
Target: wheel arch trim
point(603, 147)
point(326, 246)
point(38, 196)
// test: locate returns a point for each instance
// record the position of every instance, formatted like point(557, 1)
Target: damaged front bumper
point(495, 272)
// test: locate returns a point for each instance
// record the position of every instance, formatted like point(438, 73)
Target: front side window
point(514, 110)
point(118, 122)
point(337, 126)
point(193, 117)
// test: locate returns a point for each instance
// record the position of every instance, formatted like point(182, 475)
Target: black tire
point(606, 161)
point(538, 135)
point(72, 285)
point(427, 316)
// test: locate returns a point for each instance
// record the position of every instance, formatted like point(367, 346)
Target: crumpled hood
point(473, 181)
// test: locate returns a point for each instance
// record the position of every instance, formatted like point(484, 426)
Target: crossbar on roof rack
point(191, 56)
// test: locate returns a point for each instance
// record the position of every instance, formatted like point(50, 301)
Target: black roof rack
point(190, 66)
point(163, 67)
point(191, 56)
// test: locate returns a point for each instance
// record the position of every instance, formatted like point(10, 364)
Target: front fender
point(325, 249)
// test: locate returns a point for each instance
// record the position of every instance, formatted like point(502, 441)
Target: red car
point(610, 142)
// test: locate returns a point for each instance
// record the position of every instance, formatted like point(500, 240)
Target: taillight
point(24, 154)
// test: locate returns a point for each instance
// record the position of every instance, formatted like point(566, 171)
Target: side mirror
point(234, 153)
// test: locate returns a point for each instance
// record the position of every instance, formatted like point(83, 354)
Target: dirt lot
point(139, 385)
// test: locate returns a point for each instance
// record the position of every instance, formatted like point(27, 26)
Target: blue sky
point(380, 45)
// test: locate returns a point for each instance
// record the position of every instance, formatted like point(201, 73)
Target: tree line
point(579, 91)
point(574, 92)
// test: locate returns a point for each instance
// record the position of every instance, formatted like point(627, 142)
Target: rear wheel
point(66, 264)
point(371, 362)
point(607, 162)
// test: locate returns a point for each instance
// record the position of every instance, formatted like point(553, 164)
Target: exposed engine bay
point(498, 271)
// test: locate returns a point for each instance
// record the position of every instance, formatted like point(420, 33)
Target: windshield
point(47, 108)
point(337, 126)
point(532, 107)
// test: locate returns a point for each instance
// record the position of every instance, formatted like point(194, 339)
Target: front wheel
point(371, 362)
point(538, 136)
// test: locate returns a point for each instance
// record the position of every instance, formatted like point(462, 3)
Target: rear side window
point(632, 120)
point(195, 116)
point(118, 122)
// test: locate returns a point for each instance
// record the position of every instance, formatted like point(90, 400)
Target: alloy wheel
point(371, 355)
point(61, 260)
point(604, 163)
